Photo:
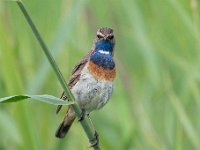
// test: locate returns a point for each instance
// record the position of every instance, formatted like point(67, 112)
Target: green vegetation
point(156, 101)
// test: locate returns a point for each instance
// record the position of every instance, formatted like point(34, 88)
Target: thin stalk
point(85, 124)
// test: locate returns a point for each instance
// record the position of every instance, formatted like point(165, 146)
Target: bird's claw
point(82, 116)
point(95, 140)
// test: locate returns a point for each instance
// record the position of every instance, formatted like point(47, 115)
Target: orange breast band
point(101, 73)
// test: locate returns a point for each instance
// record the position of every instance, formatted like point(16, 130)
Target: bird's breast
point(100, 73)
point(92, 93)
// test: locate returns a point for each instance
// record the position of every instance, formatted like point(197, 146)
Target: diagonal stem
point(85, 124)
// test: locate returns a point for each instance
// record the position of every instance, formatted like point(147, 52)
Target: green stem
point(85, 124)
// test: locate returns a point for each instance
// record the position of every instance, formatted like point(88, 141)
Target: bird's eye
point(99, 36)
point(110, 37)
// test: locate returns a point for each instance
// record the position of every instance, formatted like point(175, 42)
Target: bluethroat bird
point(91, 81)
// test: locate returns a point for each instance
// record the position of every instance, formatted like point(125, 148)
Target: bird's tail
point(66, 123)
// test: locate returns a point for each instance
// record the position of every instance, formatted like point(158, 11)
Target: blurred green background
point(156, 102)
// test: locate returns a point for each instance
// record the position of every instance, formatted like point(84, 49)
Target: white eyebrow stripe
point(99, 33)
point(104, 52)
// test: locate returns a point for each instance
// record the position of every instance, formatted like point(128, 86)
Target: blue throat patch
point(104, 45)
point(105, 59)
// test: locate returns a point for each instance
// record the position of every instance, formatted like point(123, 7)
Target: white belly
point(90, 93)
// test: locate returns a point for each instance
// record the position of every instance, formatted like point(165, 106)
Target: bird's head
point(105, 34)
point(104, 48)
point(105, 41)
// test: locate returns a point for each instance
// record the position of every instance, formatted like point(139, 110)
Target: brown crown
point(105, 30)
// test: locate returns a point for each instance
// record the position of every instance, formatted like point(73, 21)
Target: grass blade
point(85, 124)
point(43, 98)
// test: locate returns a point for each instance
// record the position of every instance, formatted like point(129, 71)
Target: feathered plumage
point(92, 78)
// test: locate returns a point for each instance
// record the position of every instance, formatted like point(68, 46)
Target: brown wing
point(76, 72)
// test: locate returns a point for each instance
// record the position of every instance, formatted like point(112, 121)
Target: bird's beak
point(105, 37)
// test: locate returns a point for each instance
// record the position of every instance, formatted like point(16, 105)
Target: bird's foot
point(82, 115)
point(95, 141)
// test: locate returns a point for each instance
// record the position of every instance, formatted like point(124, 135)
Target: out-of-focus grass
point(156, 100)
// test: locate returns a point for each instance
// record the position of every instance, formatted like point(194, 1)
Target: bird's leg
point(95, 140)
point(82, 115)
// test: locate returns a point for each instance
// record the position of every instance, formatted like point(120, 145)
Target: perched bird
point(91, 81)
